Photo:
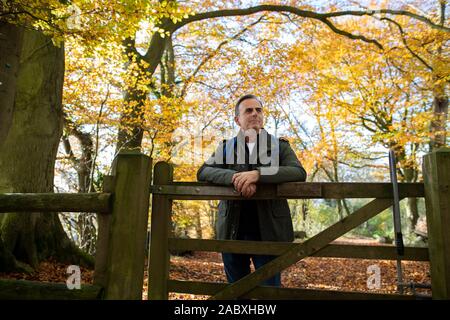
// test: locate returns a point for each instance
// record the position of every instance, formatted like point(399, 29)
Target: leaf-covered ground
point(317, 273)
point(50, 271)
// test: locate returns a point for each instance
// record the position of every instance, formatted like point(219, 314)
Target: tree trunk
point(410, 174)
point(412, 212)
point(28, 154)
point(438, 125)
point(198, 225)
point(10, 45)
point(131, 132)
point(347, 210)
point(440, 99)
point(82, 165)
point(86, 231)
point(340, 209)
point(85, 221)
point(213, 209)
point(305, 209)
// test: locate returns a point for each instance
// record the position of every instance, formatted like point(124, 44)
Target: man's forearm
point(284, 174)
point(216, 175)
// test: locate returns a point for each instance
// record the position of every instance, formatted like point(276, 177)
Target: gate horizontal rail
point(271, 293)
point(290, 190)
point(374, 252)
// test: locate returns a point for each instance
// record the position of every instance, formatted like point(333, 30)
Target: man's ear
point(236, 119)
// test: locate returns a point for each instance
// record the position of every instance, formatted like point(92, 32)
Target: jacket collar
point(237, 144)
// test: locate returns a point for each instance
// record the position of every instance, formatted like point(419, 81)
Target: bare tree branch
point(213, 53)
point(323, 17)
point(305, 14)
point(288, 117)
point(402, 33)
point(97, 132)
point(350, 35)
point(280, 8)
point(390, 12)
point(442, 5)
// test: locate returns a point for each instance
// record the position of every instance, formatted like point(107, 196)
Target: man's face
point(250, 115)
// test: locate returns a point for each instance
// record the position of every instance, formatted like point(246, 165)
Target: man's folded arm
point(289, 170)
point(214, 172)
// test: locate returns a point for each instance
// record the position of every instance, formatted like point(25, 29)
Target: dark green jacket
point(275, 223)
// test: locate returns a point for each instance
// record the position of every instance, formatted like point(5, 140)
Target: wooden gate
point(435, 189)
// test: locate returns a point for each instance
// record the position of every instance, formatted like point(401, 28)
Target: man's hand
point(242, 180)
point(249, 191)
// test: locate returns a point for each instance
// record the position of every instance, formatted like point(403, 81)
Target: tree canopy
point(343, 80)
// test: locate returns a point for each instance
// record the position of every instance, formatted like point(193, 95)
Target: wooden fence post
point(126, 249)
point(436, 172)
point(101, 251)
point(159, 246)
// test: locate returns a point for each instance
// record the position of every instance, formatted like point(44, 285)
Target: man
point(251, 158)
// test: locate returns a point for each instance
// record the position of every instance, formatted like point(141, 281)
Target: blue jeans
point(237, 265)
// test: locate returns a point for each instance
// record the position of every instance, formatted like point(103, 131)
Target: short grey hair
point(245, 97)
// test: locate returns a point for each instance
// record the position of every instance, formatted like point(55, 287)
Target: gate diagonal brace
point(300, 251)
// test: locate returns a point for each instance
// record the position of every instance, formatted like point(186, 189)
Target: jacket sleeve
point(289, 170)
point(214, 172)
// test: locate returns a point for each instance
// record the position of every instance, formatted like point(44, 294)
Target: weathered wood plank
point(101, 252)
point(159, 258)
point(344, 190)
point(291, 190)
point(380, 252)
point(303, 250)
point(436, 172)
point(260, 292)
point(128, 227)
point(55, 202)
point(34, 290)
point(205, 192)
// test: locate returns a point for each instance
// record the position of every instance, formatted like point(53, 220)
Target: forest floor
point(312, 273)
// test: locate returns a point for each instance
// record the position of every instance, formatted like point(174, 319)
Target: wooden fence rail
point(374, 252)
point(291, 190)
point(55, 202)
point(271, 293)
